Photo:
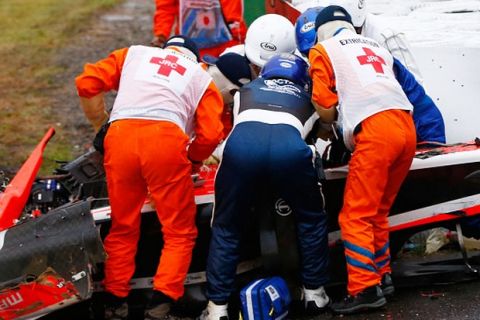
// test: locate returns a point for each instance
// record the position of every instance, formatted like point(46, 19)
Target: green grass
point(32, 30)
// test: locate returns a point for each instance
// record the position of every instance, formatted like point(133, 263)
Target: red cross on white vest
point(371, 58)
point(168, 65)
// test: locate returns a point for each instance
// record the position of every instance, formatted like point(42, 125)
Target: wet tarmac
point(433, 287)
point(441, 302)
point(456, 300)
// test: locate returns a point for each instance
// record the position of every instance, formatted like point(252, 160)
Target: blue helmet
point(305, 32)
point(287, 66)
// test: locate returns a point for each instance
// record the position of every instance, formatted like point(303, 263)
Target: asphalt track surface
point(440, 302)
point(422, 293)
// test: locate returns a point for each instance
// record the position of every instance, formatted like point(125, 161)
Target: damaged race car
point(51, 228)
point(51, 254)
point(46, 260)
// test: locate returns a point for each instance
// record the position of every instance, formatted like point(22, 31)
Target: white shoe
point(316, 300)
point(214, 312)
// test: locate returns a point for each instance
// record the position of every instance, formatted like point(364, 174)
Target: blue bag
point(265, 299)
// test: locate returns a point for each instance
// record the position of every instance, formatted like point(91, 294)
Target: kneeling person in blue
point(272, 116)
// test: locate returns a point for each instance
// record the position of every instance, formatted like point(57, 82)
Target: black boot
point(116, 308)
point(159, 312)
point(387, 285)
point(158, 307)
point(369, 299)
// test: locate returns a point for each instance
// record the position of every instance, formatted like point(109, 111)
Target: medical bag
point(263, 299)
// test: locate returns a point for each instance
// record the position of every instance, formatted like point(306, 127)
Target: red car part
point(13, 200)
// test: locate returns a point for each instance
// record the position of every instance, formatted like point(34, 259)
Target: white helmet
point(356, 8)
point(268, 35)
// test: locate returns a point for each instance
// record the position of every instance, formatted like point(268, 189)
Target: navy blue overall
point(267, 148)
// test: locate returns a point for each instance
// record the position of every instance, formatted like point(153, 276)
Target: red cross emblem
point(371, 58)
point(168, 65)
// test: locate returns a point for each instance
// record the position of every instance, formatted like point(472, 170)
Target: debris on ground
point(432, 294)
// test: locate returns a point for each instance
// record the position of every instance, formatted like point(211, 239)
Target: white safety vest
point(160, 84)
point(365, 81)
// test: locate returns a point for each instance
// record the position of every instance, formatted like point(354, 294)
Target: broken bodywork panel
point(16, 193)
point(47, 262)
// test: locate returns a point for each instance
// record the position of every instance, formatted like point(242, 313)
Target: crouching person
point(272, 116)
point(229, 73)
point(353, 79)
point(164, 96)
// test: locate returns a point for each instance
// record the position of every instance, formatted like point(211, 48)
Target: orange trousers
point(384, 150)
point(144, 156)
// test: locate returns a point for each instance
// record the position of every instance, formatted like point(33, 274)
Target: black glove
point(100, 137)
point(336, 154)
point(319, 167)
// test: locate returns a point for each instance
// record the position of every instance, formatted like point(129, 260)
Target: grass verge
point(32, 30)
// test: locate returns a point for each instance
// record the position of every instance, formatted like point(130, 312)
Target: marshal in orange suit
point(354, 85)
point(164, 98)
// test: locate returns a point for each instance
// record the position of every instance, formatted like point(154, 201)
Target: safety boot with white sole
point(214, 312)
point(316, 301)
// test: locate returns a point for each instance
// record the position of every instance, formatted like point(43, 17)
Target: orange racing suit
point(145, 155)
point(384, 149)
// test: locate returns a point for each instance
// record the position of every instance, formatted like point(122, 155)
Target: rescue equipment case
point(263, 299)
